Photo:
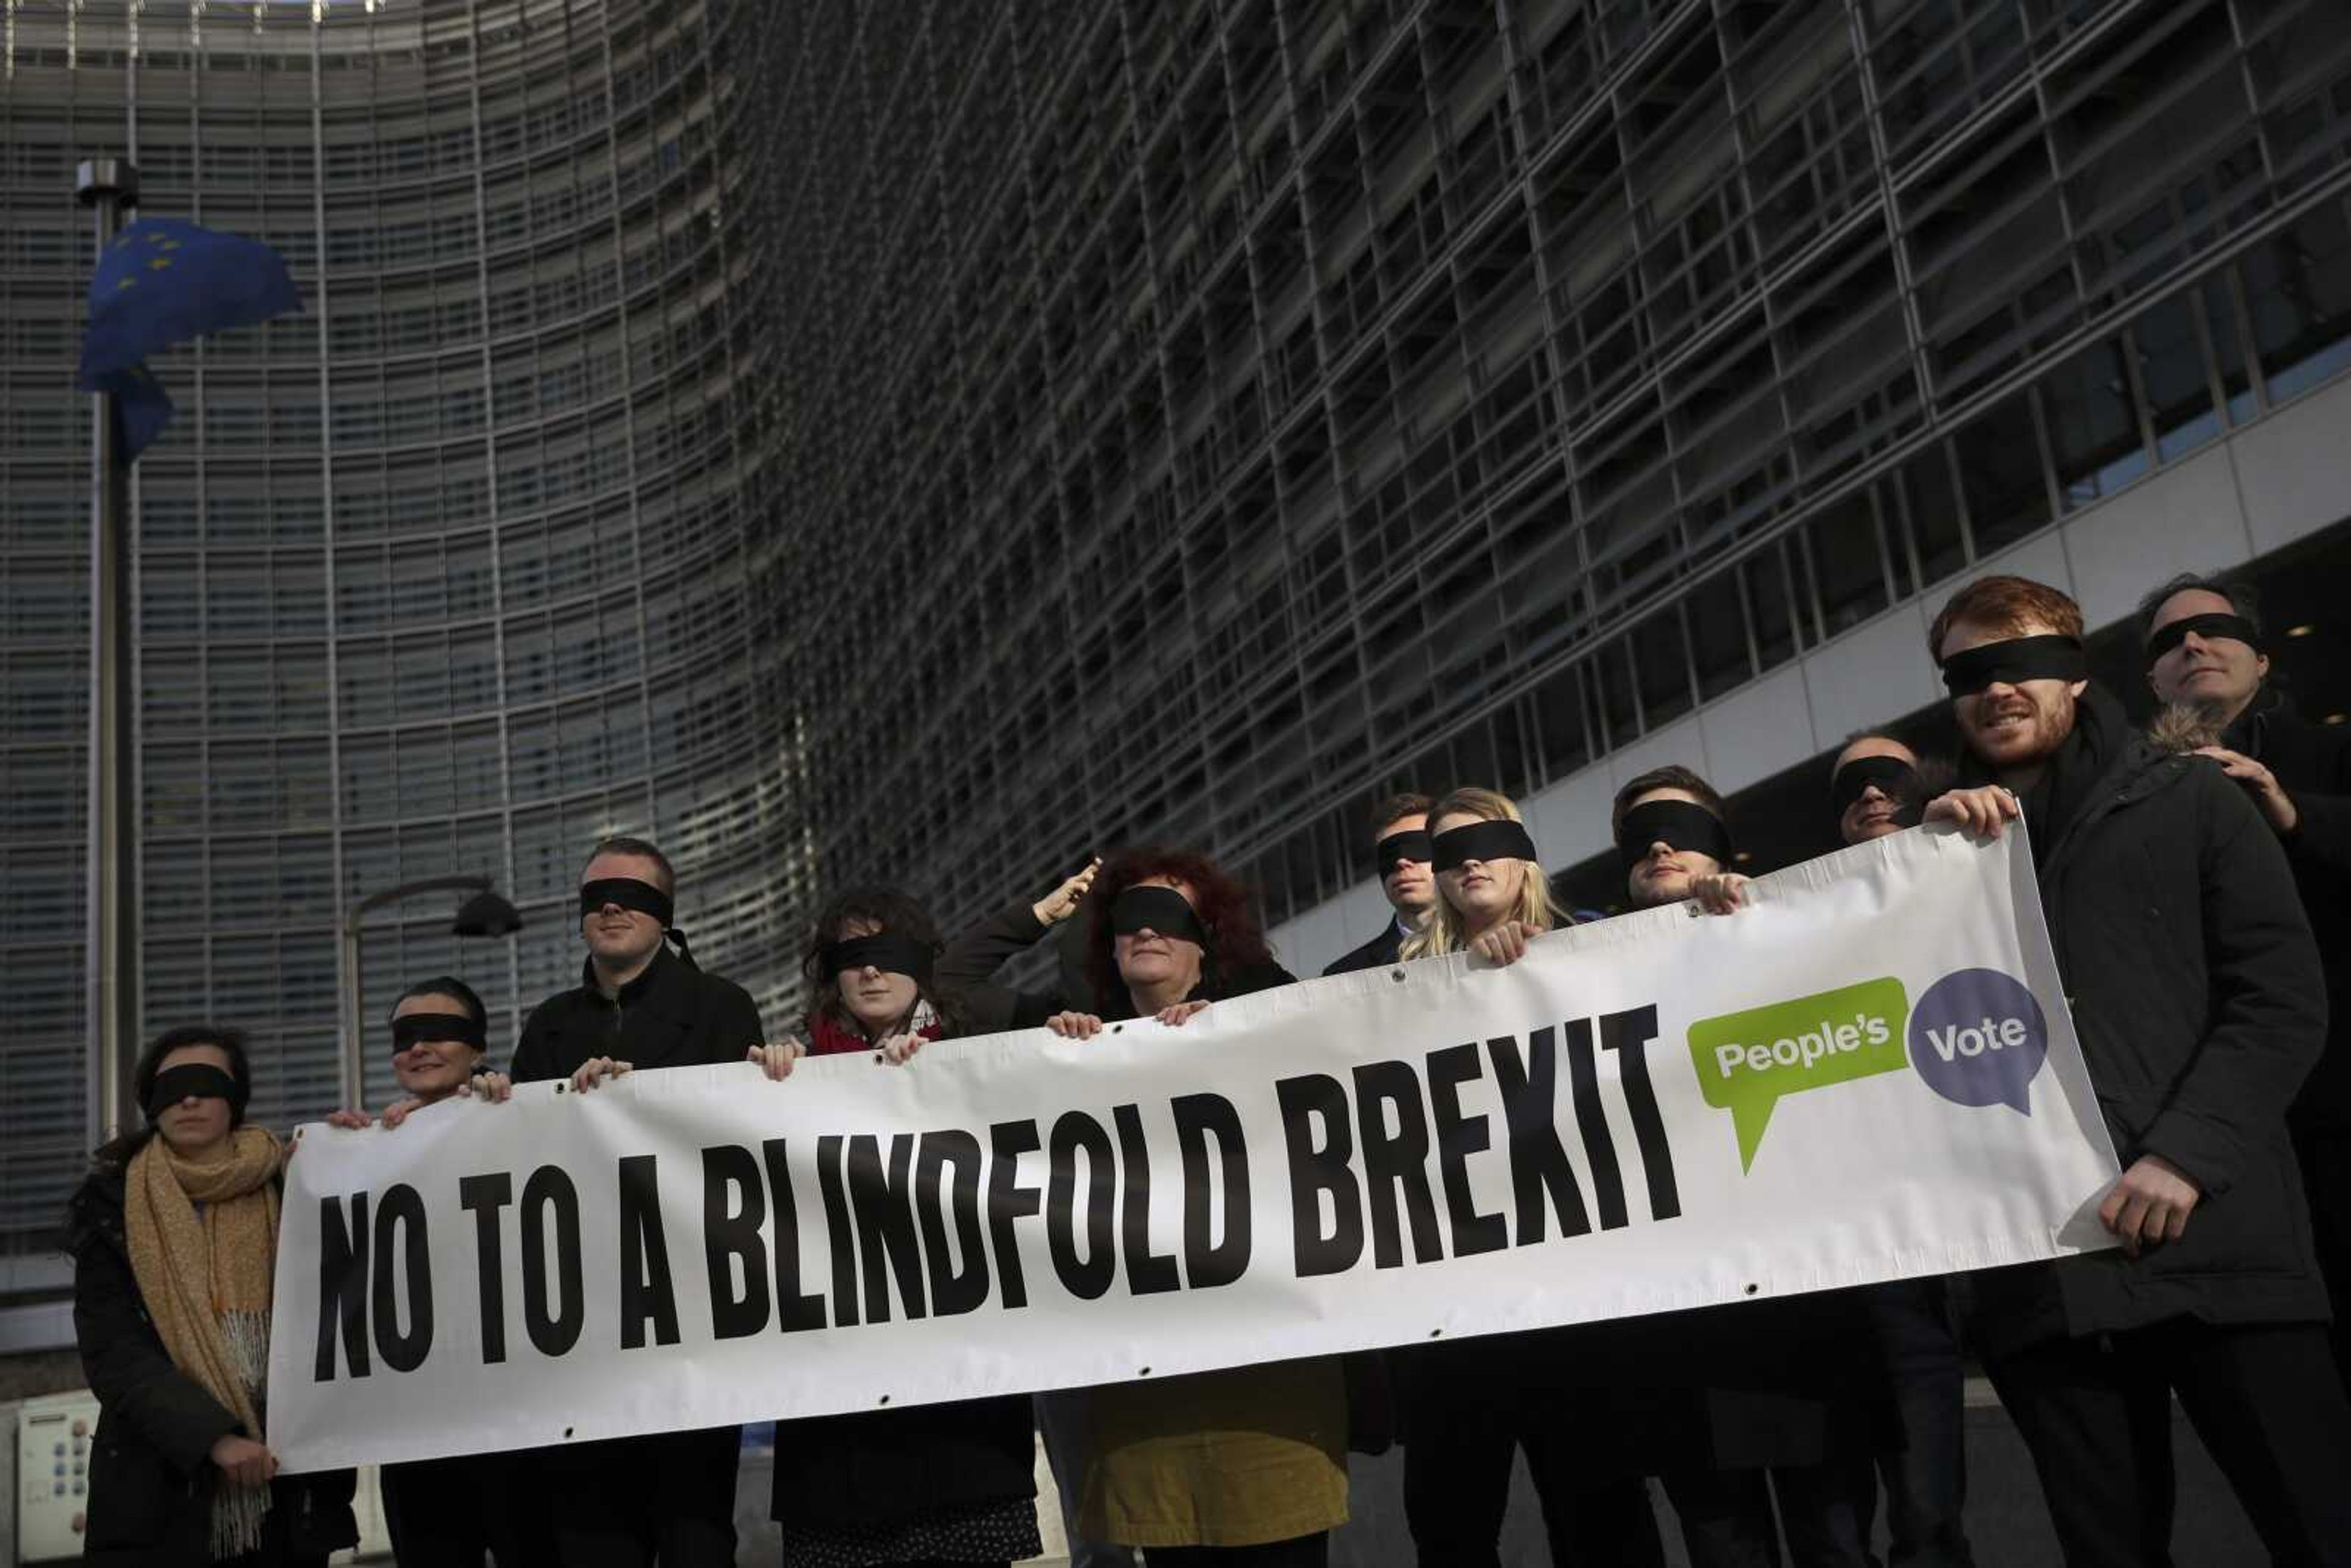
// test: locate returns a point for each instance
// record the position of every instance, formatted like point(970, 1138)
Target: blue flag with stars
point(165, 281)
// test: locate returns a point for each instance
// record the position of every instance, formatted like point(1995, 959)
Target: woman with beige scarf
point(174, 1237)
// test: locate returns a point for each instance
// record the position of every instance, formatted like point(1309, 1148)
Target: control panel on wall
point(53, 1443)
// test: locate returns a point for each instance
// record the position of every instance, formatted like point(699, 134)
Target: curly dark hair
point(884, 909)
point(1225, 905)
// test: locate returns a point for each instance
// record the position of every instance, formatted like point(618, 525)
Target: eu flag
point(165, 281)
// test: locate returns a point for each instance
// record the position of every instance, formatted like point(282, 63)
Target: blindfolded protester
point(2206, 656)
point(1729, 1433)
point(2200, 1004)
point(1242, 1466)
point(1471, 1406)
point(1878, 786)
point(1400, 856)
point(938, 1484)
point(174, 1239)
point(450, 1513)
point(668, 1498)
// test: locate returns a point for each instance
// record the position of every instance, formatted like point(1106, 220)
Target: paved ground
point(2006, 1522)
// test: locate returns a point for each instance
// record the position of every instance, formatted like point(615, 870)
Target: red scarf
point(829, 1036)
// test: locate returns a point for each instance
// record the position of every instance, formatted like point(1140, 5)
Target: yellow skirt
point(1236, 1457)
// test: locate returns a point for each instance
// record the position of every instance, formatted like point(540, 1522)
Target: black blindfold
point(1161, 909)
point(415, 1029)
point(1681, 824)
point(629, 893)
point(1896, 779)
point(1499, 840)
point(2208, 627)
point(884, 950)
point(199, 1080)
point(1408, 846)
point(2020, 659)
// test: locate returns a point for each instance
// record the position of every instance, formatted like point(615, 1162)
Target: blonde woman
point(1469, 1405)
point(1492, 893)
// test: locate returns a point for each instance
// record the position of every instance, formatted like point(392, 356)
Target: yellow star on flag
point(157, 263)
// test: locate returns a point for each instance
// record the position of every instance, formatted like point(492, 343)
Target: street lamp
point(485, 914)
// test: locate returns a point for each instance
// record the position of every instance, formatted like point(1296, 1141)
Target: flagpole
point(110, 186)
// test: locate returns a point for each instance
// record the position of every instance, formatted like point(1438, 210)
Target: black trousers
point(632, 1503)
point(447, 1513)
point(1299, 1552)
point(1926, 1479)
point(1468, 1408)
point(1825, 1508)
point(2266, 1400)
point(2325, 1159)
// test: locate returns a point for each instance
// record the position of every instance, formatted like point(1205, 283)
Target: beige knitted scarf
point(205, 1278)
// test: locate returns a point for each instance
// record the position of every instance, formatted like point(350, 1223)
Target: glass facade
point(929, 441)
point(1243, 408)
point(452, 573)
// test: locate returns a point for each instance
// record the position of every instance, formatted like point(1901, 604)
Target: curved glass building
point(451, 574)
point(931, 440)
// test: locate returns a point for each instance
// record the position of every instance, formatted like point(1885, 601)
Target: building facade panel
point(447, 574)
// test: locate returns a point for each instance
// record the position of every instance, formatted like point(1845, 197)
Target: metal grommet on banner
point(1396, 974)
point(1692, 910)
point(1145, 1372)
point(885, 1399)
point(1436, 1334)
point(1752, 1288)
point(1116, 1027)
point(560, 1085)
point(567, 1431)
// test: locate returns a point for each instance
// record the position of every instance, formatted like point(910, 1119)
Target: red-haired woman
point(1244, 1465)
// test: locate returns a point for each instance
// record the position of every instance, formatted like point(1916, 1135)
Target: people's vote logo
point(1978, 1038)
point(1748, 1060)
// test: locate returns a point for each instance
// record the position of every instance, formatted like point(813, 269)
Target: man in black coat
point(2197, 993)
point(1400, 850)
point(1876, 786)
point(2204, 652)
point(668, 1498)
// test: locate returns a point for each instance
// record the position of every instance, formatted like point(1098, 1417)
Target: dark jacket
point(2313, 765)
point(151, 1472)
point(1376, 954)
point(966, 973)
point(2197, 993)
point(673, 1014)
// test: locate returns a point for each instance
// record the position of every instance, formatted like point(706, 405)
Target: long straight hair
point(1443, 930)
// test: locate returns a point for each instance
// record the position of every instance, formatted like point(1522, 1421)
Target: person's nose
point(1659, 849)
point(1871, 792)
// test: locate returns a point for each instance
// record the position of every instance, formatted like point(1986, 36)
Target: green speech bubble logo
point(1746, 1060)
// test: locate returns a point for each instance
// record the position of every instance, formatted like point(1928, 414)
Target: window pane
point(2000, 466)
point(2094, 431)
point(1718, 632)
point(1849, 561)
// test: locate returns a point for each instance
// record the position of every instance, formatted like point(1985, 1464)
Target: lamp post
point(110, 186)
point(484, 914)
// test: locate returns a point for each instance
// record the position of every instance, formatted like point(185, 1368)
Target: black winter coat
point(2312, 764)
point(2196, 992)
point(151, 1474)
point(673, 1014)
point(966, 973)
point(1376, 954)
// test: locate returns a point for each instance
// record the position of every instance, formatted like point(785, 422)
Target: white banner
point(1868, 1074)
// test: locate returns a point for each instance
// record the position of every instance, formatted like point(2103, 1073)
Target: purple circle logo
point(1977, 1037)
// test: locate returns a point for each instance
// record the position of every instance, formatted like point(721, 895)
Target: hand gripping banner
point(1868, 1074)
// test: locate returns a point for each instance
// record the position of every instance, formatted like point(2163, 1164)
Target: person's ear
point(2261, 667)
point(2077, 688)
